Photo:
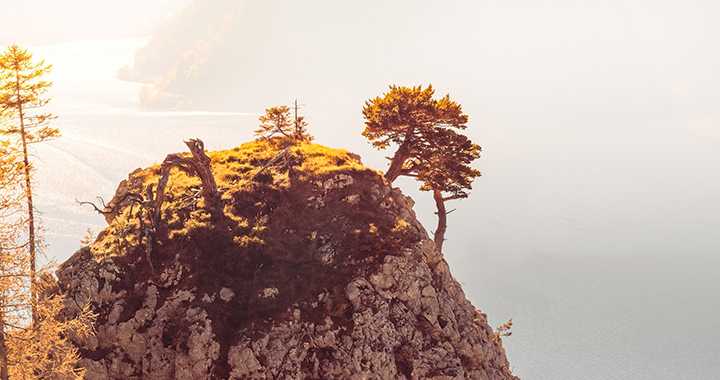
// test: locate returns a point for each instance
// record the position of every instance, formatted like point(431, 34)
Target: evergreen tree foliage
point(39, 349)
point(33, 334)
point(14, 294)
point(429, 149)
point(278, 121)
point(42, 350)
point(412, 119)
point(300, 130)
point(275, 121)
point(22, 91)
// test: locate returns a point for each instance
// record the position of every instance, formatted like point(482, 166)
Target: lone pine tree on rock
point(277, 121)
point(429, 148)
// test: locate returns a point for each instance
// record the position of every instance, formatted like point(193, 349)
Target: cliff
point(316, 268)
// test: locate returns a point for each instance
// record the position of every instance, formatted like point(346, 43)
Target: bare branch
point(134, 197)
point(271, 162)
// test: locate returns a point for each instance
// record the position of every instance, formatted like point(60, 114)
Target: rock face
point(311, 273)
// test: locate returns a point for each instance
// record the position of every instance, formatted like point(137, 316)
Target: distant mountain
point(219, 55)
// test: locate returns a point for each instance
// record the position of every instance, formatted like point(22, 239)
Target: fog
point(594, 225)
point(599, 121)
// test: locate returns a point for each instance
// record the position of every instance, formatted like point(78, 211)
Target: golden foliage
point(21, 91)
point(277, 121)
point(503, 330)
point(233, 170)
point(42, 351)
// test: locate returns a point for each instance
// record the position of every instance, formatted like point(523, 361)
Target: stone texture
point(404, 318)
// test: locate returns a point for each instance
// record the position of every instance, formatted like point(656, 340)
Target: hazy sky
point(599, 122)
point(42, 22)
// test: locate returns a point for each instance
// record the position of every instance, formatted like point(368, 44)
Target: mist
point(599, 121)
point(594, 224)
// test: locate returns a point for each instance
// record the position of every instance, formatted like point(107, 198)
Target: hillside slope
point(315, 269)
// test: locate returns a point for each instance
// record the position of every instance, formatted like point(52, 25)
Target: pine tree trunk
point(3, 344)
point(31, 213)
point(397, 162)
point(442, 220)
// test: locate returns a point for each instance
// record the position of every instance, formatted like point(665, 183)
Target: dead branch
point(196, 165)
point(273, 161)
point(133, 197)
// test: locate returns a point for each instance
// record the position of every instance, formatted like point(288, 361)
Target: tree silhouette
point(22, 91)
point(300, 132)
point(411, 118)
point(14, 295)
point(429, 148)
point(277, 121)
point(445, 170)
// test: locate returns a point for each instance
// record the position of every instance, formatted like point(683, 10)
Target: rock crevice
point(352, 288)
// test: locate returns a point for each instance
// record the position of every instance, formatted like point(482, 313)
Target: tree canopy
point(429, 149)
point(411, 118)
point(33, 338)
point(22, 90)
point(277, 121)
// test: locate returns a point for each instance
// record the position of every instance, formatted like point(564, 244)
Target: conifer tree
point(277, 121)
point(410, 118)
point(445, 170)
point(42, 350)
point(300, 132)
point(14, 297)
point(30, 349)
point(22, 92)
point(430, 149)
point(33, 334)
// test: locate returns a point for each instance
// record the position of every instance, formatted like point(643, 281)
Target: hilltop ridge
point(314, 268)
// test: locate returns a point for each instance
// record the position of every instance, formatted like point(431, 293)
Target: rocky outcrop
point(363, 312)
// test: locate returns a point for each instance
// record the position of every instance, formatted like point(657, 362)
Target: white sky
point(599, 122)
point(42, 22)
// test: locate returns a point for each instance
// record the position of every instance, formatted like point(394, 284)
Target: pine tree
point(33, 334)
point(277, 121)
point(445, 170)
point(42, 350)
point(14, 297)
point(22, 91)
point(430, 149)
point(412, 119)
point(300, 132)
point(29, 349)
